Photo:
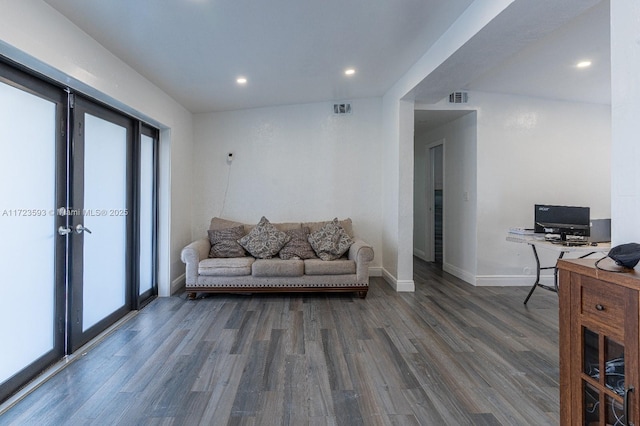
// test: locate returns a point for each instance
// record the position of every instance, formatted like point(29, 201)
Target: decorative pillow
point(331, 241)
point(264, 240)
point(347, 224)
point(298, 247)
point(224, 242)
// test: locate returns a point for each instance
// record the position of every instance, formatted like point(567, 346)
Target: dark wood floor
point(448, 354)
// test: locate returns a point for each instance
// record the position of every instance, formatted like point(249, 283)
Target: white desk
point(536, 241)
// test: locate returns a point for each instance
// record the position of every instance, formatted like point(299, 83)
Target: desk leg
point(535, 254)
point(538, 269)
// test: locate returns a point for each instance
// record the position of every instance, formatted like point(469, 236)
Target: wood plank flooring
point(448, 354)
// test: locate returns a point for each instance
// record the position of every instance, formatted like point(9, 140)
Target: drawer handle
point(600, 307)
point(626, 405)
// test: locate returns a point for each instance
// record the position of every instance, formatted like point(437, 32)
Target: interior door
point(434, 197)
point(100, 220)
point(32, 254)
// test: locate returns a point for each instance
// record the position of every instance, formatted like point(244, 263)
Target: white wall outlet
point(230, 157)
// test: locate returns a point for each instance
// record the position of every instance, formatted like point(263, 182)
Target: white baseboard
point(511, 280)
point(396, 284)
point(178, 283)
point(459, 273)
point(375, 271)
point(405, 285)
point(496, 280)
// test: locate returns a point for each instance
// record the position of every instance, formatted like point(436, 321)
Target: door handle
point(80, 229)
point(63, 230)
point(627, 421)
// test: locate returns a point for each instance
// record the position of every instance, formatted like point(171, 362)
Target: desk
point(535, 241)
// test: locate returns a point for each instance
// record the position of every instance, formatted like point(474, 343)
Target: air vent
point(459, 98)
point(342, 109)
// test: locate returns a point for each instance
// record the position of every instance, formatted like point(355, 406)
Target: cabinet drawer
point(602, 302)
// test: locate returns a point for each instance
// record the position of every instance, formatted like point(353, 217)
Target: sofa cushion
point(347, 224)
point(264, 240)
point(233, 266)
point(224, 242)
point(277, 268)
point(334, 267)
point(298, 246)
point(331, 241)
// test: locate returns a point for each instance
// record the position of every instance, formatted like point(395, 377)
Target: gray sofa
point(204, 274)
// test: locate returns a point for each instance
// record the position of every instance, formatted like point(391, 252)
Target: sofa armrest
point(362, 254)
point(191, 256)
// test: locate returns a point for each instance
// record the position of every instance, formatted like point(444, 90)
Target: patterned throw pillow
point(331, 241)
point(264, 240)
point(224, 242)
point(298, 247)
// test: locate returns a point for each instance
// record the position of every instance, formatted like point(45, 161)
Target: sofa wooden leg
point(191, 295)
point(362, 294)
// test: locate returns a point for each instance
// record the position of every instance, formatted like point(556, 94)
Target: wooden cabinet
point(599, 345)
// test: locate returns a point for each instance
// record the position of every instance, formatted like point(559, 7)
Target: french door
point(32, 256)
point(99, 224)
point(78, 221)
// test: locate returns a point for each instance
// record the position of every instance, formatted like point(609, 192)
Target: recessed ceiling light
point(241, 80)
point(583, 64)
point(349, 71)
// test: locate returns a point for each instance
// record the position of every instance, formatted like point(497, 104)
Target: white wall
point(529, 151)
point(34, 34)
point(535, 151)
point(390, 189)
point(625, 92)
point(291, 163)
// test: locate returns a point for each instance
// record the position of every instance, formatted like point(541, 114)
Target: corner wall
point(625, 109)
point(529, 151)
point(398, 141)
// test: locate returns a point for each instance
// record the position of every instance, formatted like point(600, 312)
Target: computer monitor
point(562, 220)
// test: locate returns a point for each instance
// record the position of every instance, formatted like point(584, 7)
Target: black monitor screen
point(566, 217)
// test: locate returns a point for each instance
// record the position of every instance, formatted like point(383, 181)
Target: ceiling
point(294, 52)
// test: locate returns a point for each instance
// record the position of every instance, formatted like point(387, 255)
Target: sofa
point(277, 257)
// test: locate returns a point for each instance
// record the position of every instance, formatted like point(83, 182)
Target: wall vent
point(342, 109)
point(459, 97)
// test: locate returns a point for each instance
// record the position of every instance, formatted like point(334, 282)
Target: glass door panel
point(105, 215)
point(32, 282)
point(591, 354)
point(100, 220)
point(591, 405)
point(147, 215)
point(603, 379)
point(614, 412)
point(614, 366)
